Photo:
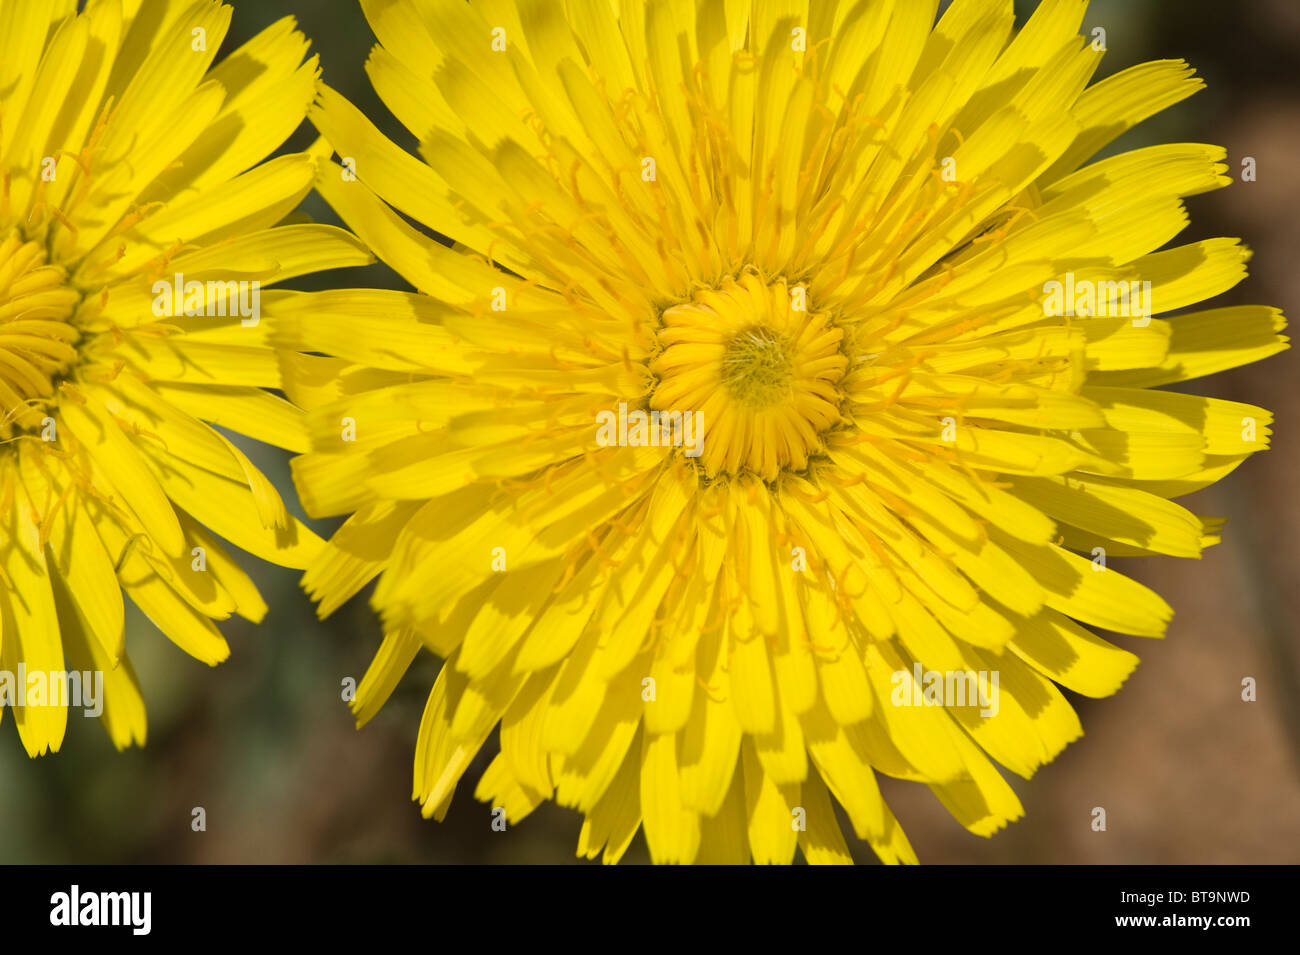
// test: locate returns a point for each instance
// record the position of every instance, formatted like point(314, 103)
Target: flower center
point(37, 338)
point(756, 367)
point(759, 370)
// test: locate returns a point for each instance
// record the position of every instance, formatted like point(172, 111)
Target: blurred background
point(1187, 772)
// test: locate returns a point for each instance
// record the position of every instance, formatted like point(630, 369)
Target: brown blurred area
point(1186, 771)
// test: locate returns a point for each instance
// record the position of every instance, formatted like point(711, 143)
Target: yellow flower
point(136, 231)
point(830, 236)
